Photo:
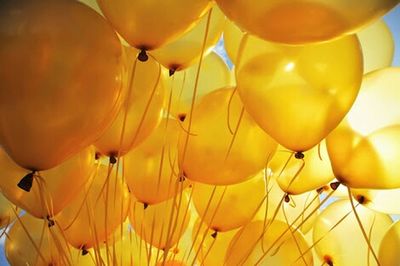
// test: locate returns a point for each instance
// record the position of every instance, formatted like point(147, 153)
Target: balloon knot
point(84, 250)
point(321, 189)
point(334, 185)
point(361, 199)
point(182, 117)
point(214, 235)
point(171, 72)
point(26, 182)
point(182, 178)
point(287, 198)
point(145, 205)
point(299, 155)
point(113, 159)
point(143, 57)
point(97, 155)
point(50, 222)
point(328, 260)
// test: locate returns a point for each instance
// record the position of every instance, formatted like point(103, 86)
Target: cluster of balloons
point(125, 140)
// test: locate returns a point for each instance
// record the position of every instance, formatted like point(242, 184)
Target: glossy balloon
point(61, 80)
point(299, 22)
point(213, 154)
point(390, 247)
point(48, 195)
point(151, 24)
point(298, 94)
point(187, 50)
point(142, 107)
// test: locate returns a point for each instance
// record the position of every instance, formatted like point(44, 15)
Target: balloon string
point(228, 121)
point(369, 237)
point(107, 205)
point(234, 134)
point(362, 227)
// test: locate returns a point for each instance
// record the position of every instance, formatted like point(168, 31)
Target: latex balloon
point(142, 109)
point(151, 170)
point(70, 89)
point(277, 246)
point(214, 74)
point(214, 154)
point(282, 87)
point(390, 247)
point(332, 234)
point(224, 208)
point(297, 176)
point(364, 148)
point(232, 38)
point(149, 25)
point(380, 54)
point(187, 50)
point(161, 225)
point(48, 195)
point(298, 22)
point(97, 211)
point(31, 242)
point(299, 210)
point(384, 200)
point(7, 211)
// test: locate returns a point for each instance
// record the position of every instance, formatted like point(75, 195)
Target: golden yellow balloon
point(214, 74)
point(7, 211)
point(60, 80)
point(151, 170)
point(339, 239)
point(48, 195)
point(98, 210)
point(299, 22)
point(142, 110)
point(224, 208)
point(187, 50)
point(377, 45)
point(151, 24)
point(390, 247)
point(31, 242)
point(163, 224)
point(256, 244)
point(364, 148)
point(216, 155)
point(298, 94)
point(297, 176)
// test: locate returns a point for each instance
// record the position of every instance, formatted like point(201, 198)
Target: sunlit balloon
point(60, 80)
point(214, 74)
point(98, 210)
point(339, 239)
point(390, 247)
point(377, 45)
point(299, 22)
point(276, 244)
point(214, 154)
point(298, 94)
point(151, 170)
point(151, 24)
point(31, 242)
point(48, 195)
point(224, 208)
point(142, 109)
point(186, 50)
point(364, 149)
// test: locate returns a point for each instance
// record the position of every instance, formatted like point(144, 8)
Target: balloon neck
point(97, 156)
point(171, 72)
point(113, 159)
point(50, 222)
point(143, 57)
point(287, 198)
point(361, 199)
point(182, 178)
point(84, 250)
point(299, 155)
point(27, 181)
point(182, 117)
point(322, 189)
point(214, 235)
point(145, 205)
point(328, 260)
point(334, 185)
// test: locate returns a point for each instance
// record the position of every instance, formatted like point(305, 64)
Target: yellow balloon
point(187, 50)
point(277, 246)
point(224, 208)
point(299, 22)
point(151, 170)
point(296, 177)
point(214, 74)
point(163, 224)
point(377, 54)
point(7, 211)
point(385, 200)
point(298, 94)
point(390, 247)
point(364, 148)
point(60, 80)
point(142, 107)
point(48, 195)
point(341, 242)
point(31, 242)
point(214, 154)
point(232, 38)
point(97, 211)
point(151, 24)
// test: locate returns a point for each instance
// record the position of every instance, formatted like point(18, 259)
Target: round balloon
point(61, 80)
point(390, 247)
